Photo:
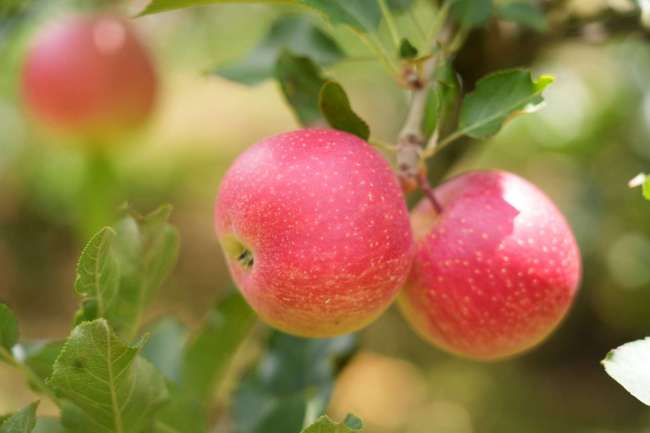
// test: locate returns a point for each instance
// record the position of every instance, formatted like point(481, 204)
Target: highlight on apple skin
point(315, 231)
point(495, 272)
point(89, 75)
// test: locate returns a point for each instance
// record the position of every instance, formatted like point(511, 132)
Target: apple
point(495, 271)
point(315, 231)
point(90, 76)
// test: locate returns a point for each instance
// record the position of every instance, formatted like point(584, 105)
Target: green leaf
point(97, 273)
point(164, 348)
point(361, 15)
point(110, 388)
point(21, 422)
point(407, 50)
point(522, 12)
point(628, 365)
point(156, 6)
point(324, 424)
point(8, 328)
point(209, 354)
point(336, 108)
point(498, 97)
point(399, 5)
point(294, 374)
point(293, 33)
point(471, 13)
point(48, 424)
point(181, 414)
point(121, 268)
point(441, 99)
point(300, 80)
point(646, 188)
point(40, 356)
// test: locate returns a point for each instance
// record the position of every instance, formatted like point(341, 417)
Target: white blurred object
point(628, 365)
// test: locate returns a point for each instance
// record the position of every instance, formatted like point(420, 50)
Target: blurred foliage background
point(592, 137)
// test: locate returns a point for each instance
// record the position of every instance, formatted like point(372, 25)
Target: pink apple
point(315, 231)
point(495, 271)
point(89, 76)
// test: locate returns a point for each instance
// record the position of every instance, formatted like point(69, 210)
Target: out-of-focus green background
point(592, 137)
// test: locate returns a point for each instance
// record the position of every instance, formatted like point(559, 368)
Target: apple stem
point(428, 192)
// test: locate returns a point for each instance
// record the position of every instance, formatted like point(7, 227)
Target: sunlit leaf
point(110, 387)
point(293, 33)
point(628, 365)
point(497, 97)
point(336, 108)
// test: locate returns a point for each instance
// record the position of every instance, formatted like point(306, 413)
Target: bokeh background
point(591, 138)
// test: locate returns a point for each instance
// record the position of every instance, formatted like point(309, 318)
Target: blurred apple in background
point(495, 271)
point(89, 76)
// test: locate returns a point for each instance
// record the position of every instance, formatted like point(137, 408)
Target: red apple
point(89, 76)
point(495, 271)
point(315, 231)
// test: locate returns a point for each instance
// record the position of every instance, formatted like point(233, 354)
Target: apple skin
point(495, 272)
point(315, 231)
point(89, 75)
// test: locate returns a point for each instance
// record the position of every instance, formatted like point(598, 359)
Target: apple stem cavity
point(246, 259)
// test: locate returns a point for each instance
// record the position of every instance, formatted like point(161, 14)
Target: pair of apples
point(317, 235)
point(314, 224)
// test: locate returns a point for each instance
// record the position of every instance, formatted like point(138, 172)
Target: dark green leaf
point(156, 6)
point(522, 12)
point(471, 13)
point(293, 33)
point(8, 328)
point(324, 424)
point(407, 50)
point(21, 422)
point(273, 396)
point(211, 350)
point(361, 15)
point(399, 5)
point(109, 386)
point(300, 80)
point(498, 97)
point(336, 108)
point(164, 347)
